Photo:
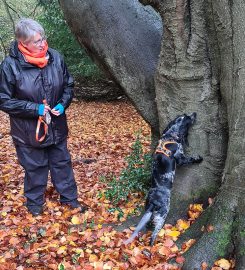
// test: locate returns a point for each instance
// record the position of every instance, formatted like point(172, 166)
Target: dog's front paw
point(198, 159)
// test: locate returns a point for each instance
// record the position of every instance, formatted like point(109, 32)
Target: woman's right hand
point(43, 109)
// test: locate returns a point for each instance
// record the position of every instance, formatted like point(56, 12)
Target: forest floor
point(101, 136)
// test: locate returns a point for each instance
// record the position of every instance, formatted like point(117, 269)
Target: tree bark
point(124, 38)
point(187, 81)
point(201, 69)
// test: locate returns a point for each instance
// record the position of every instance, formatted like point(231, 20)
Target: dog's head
point(179, 127)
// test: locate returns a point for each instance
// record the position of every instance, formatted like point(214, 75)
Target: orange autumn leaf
point(196, 207)
point(53, 266)
point(182, 224)
point(14, 241)
point(80, 252)
point(172, 233)
point(195, 210)
point(161, 233)
point(133, 260)
point(204, 266)
point(168, 242)
point(210, 228)
point(186, 245)
point(180, 259)
point(223, 263)
point(75, 220)
point(93, 258)
point(164, 251)
point(61, 250)
point(193, 215)
point(98, 265)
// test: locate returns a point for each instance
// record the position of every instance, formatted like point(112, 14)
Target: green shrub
point(134, 178)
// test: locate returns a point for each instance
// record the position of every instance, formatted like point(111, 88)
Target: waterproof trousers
point(37, 162)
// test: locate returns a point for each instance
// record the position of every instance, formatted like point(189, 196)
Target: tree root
point(239, 237)
point(215, 242)
point(195, 231)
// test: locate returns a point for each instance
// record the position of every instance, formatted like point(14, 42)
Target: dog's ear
point(184, 139)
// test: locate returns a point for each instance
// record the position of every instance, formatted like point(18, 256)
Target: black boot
point(35, 210)
point(76, 204)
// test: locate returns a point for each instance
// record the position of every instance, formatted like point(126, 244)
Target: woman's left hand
point(58, 110)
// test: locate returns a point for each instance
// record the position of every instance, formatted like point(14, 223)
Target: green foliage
point(60, 37)
point(10, 12)
point(120, 212)
point(134, 178)
point(223, 238)
point(49, 14)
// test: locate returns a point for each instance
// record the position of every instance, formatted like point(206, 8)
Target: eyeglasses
point(39, 41)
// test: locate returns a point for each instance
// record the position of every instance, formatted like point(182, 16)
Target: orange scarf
point(39, 59)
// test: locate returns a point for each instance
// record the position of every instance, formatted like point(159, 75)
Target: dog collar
point(161, 148)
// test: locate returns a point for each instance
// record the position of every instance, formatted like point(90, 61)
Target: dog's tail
point(144, 220)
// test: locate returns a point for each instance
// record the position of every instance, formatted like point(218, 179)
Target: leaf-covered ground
point(101, 136)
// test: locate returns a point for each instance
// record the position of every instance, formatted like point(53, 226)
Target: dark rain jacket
point(24, 86)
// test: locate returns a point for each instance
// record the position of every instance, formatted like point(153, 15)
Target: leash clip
point(47, 118)
point(44, 120)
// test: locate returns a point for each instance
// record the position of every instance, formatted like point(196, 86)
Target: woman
point(35, 88)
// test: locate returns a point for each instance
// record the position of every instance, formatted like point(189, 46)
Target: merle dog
point(169, 152)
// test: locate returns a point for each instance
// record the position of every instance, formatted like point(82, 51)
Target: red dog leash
point(45, 121)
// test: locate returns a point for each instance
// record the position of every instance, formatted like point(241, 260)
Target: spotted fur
point(163, 173)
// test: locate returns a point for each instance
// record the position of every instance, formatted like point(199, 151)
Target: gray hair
point(26, 29)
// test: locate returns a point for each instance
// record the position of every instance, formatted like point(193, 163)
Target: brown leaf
point(210, 228)
point(180, 259)
point(14, 241)
point(223, 263)
point(93, 258)
point(204, 266)
point(164, 251)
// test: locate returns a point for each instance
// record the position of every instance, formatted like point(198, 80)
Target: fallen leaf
point(173, 233)
point(210, 228)
point(75, 220)
point(223, 263)
point(180, 259)
point(161, 233)
point(93, 258)
point(204, 266)
point(164, 251)
point(61, 250)
point(182, 224)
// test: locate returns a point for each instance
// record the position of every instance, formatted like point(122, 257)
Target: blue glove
point(41, 109)
point(60, 108)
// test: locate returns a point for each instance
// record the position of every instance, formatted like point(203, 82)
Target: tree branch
point(4, 49)
point(7, 7)
point(32, 14)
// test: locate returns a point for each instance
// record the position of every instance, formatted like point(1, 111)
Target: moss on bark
point(216, 243)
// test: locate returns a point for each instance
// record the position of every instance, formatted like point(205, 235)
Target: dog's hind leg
point(145, 219)
point(158, 221)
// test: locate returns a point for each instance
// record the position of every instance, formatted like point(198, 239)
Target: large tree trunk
point(200, 69)
point(124, 38)
point(186, 81)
